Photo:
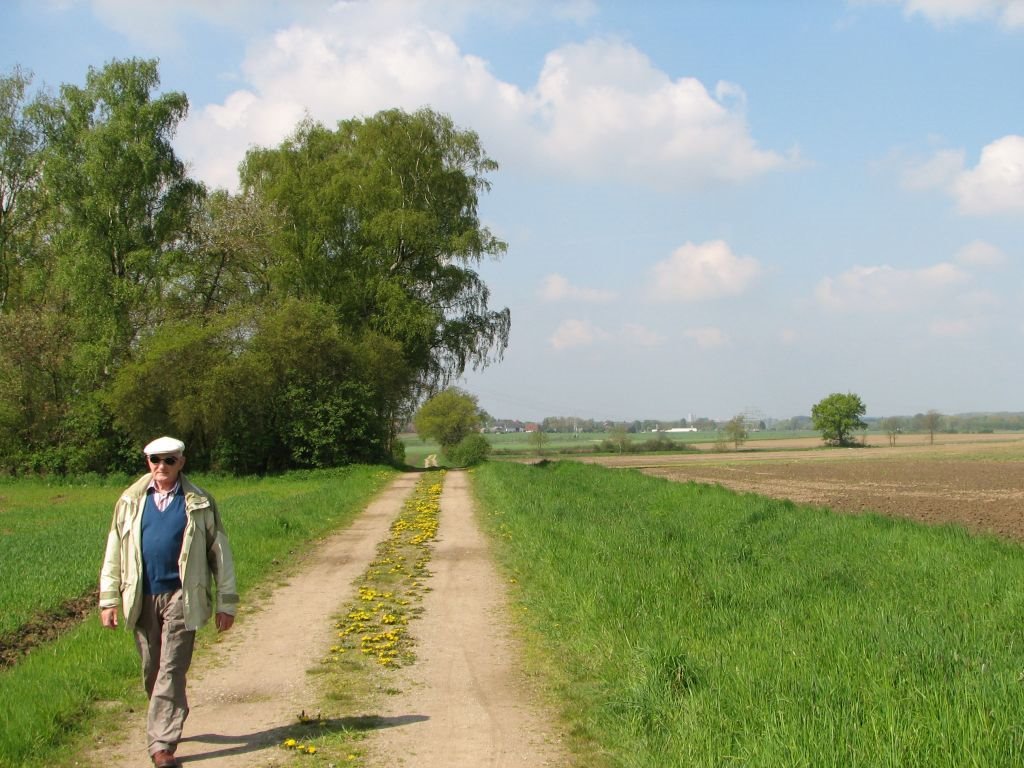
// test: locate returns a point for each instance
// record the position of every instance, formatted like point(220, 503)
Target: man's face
point(165, 467)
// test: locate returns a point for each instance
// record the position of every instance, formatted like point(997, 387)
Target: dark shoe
point(165, 759)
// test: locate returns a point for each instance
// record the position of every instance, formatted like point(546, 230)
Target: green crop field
point(518, 444)
point(686, 625)
point(51, 546)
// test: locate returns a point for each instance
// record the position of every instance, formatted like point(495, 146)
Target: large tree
point(838, 416)
point(21, 142)
point(121, 202)
point(229, 258)
point(291, 324)
point(382, 224)
point(96, 205)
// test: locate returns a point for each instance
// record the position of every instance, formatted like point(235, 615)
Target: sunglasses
point(170, 461)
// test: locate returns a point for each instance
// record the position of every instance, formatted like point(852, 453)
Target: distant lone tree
point(837, 416)
point(736, 430)
point(932, 422)
point(538, 441)
point(618, 439)
point(892, 426)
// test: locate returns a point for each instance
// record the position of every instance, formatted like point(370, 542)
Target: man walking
point(165, 550)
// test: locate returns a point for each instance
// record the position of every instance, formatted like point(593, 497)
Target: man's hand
point(108, 617)
point(224, 621)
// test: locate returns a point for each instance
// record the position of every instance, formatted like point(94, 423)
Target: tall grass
point(687, 625)
point(48, 698)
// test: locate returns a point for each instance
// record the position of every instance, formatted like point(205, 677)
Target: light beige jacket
point(205, 557)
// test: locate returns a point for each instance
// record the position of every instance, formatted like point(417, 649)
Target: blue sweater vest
point(162, 535)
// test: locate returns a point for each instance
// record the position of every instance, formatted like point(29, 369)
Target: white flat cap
point(164, 445)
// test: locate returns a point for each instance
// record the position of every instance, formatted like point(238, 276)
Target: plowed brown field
point(972, 480)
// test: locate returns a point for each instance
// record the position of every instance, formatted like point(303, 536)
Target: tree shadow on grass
point(225, 745)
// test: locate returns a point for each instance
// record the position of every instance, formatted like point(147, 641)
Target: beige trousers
point(166, 650)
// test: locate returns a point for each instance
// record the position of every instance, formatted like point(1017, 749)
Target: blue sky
point(711, 207)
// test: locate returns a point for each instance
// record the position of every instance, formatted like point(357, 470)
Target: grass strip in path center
point(373, 632)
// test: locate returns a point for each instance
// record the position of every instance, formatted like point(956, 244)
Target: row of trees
point(454, 420)
point(929, 421)
point(839, 416)
point(294, 323)
point(741, 425)
point(575, 424)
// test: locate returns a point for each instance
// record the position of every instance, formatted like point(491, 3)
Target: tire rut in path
point(465, 702)
point(246, 692)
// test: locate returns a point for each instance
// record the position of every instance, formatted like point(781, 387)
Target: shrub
point(651, 445)
point(661, 443)
point(471, 450)
point(397, 452)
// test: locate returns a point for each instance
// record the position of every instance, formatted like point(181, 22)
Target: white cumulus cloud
point(994, 186)
point(996, 183)
point(557, 288)
point(887, 289)
point(583, 333)
point(598, 109)
point(603, 101)
point(979, 302)
point(577, 333)
point(698, 271)
point(939, 171)
point(979, 253)
point(1009, 13)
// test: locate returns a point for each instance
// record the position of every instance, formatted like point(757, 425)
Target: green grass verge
point(686, 625)
point(50, 697)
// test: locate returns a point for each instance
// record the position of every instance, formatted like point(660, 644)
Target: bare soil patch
point(976, 481)
point(45, 628)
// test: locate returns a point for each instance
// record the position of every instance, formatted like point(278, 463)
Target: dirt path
point(461, 704)
point(474, 707)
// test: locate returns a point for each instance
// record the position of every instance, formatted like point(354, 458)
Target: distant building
point(503, 426)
